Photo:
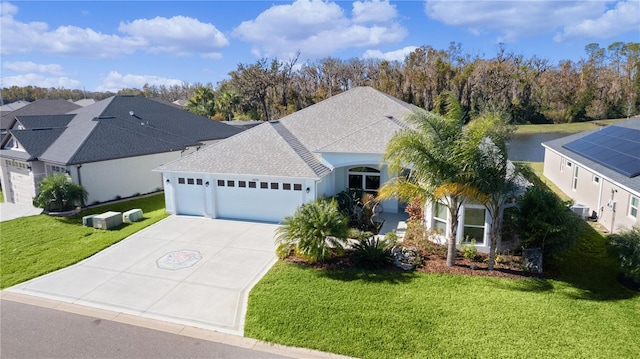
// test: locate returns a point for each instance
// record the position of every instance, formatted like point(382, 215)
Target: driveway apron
point(186, 270)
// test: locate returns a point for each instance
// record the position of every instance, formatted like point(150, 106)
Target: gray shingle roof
point(557, 145)
point(361, 120)
point(39, 107)
point(126, 126)
point(44, 121)
point(36, 141)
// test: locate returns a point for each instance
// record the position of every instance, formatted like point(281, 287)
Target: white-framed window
point(440, 214)
point(633, 206)
point(596, 179)
point(364, 178)
point(474, 224)
point(575, 178)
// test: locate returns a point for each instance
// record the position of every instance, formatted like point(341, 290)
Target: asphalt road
point(33, 332)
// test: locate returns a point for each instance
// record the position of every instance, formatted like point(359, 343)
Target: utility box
point(581, 210)
point(133, 215)
point(87, 221)
point(107, 220)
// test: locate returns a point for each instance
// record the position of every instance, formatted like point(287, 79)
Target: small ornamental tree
point(544, 221)
point(626, 245)
point(314, 231)
point(58, 193)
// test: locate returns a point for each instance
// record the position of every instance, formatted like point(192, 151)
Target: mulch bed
point(435, 263)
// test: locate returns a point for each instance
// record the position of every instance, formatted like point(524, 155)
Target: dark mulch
point(628, 282)
point(436, 263)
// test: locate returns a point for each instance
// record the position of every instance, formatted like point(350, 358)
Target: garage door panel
point(258, 204)
point(22, 188)
point(190, 196)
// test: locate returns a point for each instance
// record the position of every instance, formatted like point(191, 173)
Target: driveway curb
point(188, 331)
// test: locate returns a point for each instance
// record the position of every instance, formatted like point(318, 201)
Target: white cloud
point(178, 34)
point(397, 55)
point(513, 19)
point(7, 9)
point(28, 66)
point(373, 11)
point(39, 80)
point(317, 28)
point(624, 17)
point(114, 81)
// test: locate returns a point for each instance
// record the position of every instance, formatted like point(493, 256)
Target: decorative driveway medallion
point(178, 259)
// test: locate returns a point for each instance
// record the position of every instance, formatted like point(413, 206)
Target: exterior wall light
point(206, 184)
point(167, 181)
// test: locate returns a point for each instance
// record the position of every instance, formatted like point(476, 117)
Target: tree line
point(605, 83)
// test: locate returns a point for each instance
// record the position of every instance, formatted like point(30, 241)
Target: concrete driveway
point(9, 211)
point(186, 270)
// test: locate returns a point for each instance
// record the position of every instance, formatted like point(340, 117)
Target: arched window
point(364, 178)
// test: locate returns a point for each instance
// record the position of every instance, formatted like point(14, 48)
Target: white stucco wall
point(342, 162)
point(596, 196)
point(105, 180)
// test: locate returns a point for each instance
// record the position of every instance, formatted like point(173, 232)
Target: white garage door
point(190, 196)
point(257, 201)
point(21, 187)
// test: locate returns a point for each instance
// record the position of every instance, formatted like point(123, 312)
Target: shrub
point(372, 253)
point(58, 192)
point(626, 245)
point(544, 221)
point(415, 210)
point(314, 231)
point(470, 251)
point(358, 234)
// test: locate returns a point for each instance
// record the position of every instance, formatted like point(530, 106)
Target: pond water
point(527, 147)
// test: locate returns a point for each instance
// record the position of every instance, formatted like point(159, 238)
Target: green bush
point(58, 192)
point(626, 245)
point(470, 251)
point(544, 221)
point(372, 253)
point(314, 231)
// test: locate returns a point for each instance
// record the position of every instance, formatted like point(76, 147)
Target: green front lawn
point(579, 311)
point(566, 127)
point(33, 246)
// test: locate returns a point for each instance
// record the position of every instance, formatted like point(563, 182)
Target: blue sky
point(109, 45)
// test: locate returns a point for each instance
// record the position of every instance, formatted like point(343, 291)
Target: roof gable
point(36, 141)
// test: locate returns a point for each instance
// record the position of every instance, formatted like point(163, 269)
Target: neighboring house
point(110, 147)
point(266, 172)
point(38, 107)
point(600, 171)
point(10, 107)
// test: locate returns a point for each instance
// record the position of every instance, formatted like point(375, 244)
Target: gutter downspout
point(78, 167)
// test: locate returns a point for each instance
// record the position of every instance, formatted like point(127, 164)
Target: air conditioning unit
point(581, 210)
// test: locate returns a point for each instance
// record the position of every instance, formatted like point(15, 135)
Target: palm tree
point(226, 102)
point(495, 178)
point(202, 102)
point(59, 189)
point(313, 231)
point(432, 151)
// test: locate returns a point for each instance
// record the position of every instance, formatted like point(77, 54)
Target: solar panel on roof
point(614, 147)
